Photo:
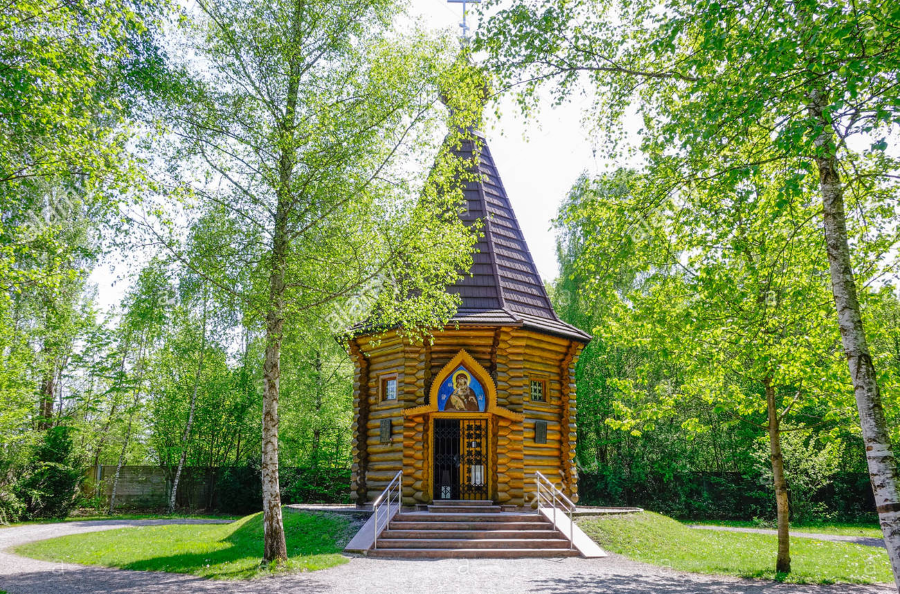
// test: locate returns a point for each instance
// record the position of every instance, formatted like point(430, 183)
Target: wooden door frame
point(429, 462)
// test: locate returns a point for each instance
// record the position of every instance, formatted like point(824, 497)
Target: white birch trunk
point(274, 547)
point(877, 442)
point(121, 462)
point(190, 421)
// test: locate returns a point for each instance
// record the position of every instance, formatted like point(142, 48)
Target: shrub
point(725, 495)
point(316, 485)
point(52, 479)
point(239, 489)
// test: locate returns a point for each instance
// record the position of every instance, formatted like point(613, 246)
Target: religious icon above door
point(461, 392)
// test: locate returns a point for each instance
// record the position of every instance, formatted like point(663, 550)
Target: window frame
point(383, 387)
point(543, 383)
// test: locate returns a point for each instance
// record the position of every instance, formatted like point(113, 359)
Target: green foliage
point(655, 539)
point(317, 485)
point(715, 239)
point(721, 496)
point(810, 464)
point(53, 477)
point(711, 78)
point(239, 488)
point(321, 156)
point(693, 303)
point(222, 551)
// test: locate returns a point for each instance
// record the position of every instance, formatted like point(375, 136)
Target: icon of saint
point(463, 397)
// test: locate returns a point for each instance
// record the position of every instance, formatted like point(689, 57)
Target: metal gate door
point(460, 459)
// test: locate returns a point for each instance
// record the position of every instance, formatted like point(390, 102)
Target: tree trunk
point(879, 452)
point(317, 431)
point(48, 393)
point(137, 398)
point(783, 561)
point(115, 486)
point(109, 419)
point(275, 548)
point(190, 421)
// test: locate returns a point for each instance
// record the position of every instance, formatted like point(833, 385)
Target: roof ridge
point(503, 285)
point(489, 237)
point(515, 221)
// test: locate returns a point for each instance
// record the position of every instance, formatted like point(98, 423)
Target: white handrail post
point(386, 496)
point(554, 505)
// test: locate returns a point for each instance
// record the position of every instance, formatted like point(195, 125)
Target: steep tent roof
point(503, 287)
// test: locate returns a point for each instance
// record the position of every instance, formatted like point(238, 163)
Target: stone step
point(468, 517)
point(425, 525)
point(463, 502)
point(471, 553)
point(477, 543)
point(464, 509)
point(429, 533)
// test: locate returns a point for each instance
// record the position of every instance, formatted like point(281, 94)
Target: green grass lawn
point(216, 551)
point(659, 540)
point(872, 530)
point(138, 516)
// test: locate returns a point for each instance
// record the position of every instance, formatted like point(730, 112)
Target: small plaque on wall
point(385, 431)
point(540, 432)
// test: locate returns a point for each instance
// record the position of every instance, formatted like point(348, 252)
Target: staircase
point(470, 529)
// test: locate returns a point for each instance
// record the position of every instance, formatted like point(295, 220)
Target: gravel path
point(376, 576)
point(866, 541)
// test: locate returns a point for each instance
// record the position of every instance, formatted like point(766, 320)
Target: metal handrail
point(385, 498)
point(555, 496)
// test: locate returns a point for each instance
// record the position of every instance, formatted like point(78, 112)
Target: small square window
point(538, 391)
point(389, 388)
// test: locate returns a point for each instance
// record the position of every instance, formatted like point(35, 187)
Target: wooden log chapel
point(492, 400)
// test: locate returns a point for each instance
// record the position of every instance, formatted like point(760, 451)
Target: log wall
point(513, 357)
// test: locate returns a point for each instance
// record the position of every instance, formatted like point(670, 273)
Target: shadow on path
point(680, 584)
point(78, 579)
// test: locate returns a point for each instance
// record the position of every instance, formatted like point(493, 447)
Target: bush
point(52, 479)
point(11, 507)
point(316, 485)
point(239, 488)
point(722, 496)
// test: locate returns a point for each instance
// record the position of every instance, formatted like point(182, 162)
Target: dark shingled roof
point(503, 287)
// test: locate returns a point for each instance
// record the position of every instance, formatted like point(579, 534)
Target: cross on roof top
point(463, 25)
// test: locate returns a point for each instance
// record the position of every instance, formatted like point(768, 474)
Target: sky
point(538, 159)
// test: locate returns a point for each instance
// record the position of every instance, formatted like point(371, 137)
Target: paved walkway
point(377, 576)
point(866, 541)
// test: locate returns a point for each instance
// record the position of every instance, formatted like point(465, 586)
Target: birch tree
point(191, 408)
point(723, 87)
point(311, 126)
point(725, 286)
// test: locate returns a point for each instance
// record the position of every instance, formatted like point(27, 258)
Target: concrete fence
point(149, 487)
point(200, 488)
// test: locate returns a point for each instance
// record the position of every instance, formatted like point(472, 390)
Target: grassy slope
point(92, 517)
point(662, 541)
point(839, 528)
point(217, 551)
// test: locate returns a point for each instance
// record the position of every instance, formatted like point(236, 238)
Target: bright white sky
point(538, 160)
